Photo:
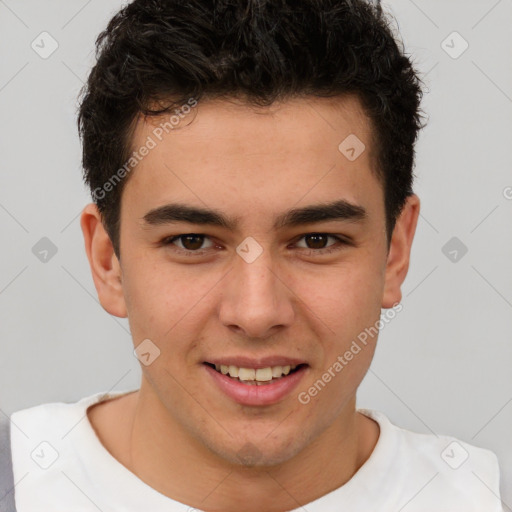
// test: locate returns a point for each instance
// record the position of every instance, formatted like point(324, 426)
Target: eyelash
point(168, 241)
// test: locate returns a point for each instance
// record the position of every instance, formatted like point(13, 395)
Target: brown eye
point(189, 242)
point(316, 241)
point(192, 242)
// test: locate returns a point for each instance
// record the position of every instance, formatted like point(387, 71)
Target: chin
point(259, 454)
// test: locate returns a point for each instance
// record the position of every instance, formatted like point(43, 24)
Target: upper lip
point(249, 362)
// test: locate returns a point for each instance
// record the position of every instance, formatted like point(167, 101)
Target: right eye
point(190, 243)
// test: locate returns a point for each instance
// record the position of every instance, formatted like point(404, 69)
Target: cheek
point(164, 300)
point(346, 297)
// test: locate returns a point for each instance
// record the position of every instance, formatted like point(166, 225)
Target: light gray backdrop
point(443, 365)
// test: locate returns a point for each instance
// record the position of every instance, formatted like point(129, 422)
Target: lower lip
point(266, 394)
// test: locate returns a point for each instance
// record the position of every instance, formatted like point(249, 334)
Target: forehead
point(262, 159)
point(301, 125)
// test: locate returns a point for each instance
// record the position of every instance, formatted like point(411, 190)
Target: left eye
point(318, 238)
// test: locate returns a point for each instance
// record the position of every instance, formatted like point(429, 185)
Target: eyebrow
point(340, 210)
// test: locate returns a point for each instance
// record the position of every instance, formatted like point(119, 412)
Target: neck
point(170, 459)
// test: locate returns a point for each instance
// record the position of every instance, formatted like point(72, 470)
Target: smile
point(255, 376)
point(250, 386)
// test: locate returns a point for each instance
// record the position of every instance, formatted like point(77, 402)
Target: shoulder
point(43, 418)
point(41, 415)
point(460, 475)
point(49, 444)
point(46, 434)
point(41, 434)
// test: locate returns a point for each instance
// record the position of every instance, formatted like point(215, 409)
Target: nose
point(256, 302)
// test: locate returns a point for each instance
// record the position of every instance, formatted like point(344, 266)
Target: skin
point(179, 433)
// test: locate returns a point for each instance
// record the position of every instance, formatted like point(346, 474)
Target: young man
point(251, 169)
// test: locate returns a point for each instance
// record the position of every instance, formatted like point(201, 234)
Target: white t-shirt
point(60, 465)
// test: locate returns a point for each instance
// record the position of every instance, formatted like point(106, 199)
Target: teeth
point(263, 374)
point(255, 375)
point(246, 373)
point(277, 371)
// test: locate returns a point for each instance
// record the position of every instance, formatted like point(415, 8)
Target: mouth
point(256, 376)
point(261, 383)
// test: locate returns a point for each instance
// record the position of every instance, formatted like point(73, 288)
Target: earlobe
point(105, 267)
point(399, 252)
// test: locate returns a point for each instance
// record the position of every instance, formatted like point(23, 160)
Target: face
point(265, 278)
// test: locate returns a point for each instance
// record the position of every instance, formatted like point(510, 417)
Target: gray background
point(443, 365)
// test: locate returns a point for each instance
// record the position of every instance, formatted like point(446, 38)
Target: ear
point(399, 251)
point(105, 267)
